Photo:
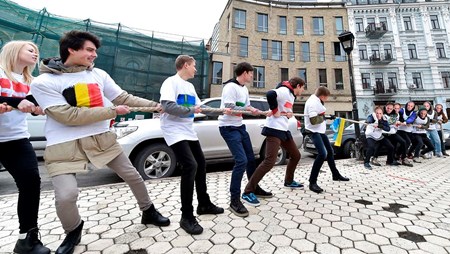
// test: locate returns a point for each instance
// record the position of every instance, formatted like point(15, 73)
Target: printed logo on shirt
point(84, 95)
point(10, 88)
point(186, 100)
point(288, 104)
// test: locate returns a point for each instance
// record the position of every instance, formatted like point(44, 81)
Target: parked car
point(446, 128)
point(143, 142)
point(347, 148)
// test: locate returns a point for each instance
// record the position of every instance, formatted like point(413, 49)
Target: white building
point(401, 53)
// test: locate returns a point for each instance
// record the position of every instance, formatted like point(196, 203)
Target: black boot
point(315, 188)
point(209, 209)
point(238, 208)
point(152, 216)
point(72, 239)
point(31, 244)
point(191, 226)
point(340, 178)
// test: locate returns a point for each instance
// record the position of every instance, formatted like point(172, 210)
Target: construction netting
point(138, 60)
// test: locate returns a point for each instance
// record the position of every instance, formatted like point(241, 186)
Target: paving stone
point(117, 249)
point(223, 238)
point(327, 248)
point(303, 245)
point(100, 244)
point(341, 242)
point(241, 243)
point(263, 247)
point(258, 236)
point(200, 246)
point(433, 248)
point(159, 248)
point(221, 249)
point(367, 247)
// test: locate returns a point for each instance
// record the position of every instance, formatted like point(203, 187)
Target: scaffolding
point(138, 60)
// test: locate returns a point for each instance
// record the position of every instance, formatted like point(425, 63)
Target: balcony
point(376, 59)
point(375, 30)
point(380, 90)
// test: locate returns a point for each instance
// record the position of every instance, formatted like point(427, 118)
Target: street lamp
point(347, 40)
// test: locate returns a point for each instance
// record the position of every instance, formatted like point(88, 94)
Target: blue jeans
point(435, 140)
point(325, 151)
point(239, 143)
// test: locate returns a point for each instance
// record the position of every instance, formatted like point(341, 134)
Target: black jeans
point(325, 151)
point(190, 156)
point(19, 159)
point(421, 139)
point(373, 145)
point(408, 137)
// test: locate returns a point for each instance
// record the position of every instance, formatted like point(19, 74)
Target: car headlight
point(123, 130)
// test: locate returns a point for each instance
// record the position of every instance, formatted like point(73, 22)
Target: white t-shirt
point(13, 124)
point(238, 95)
point(285, 101)
point(93, 89)
point(314, 107)
point(176, 128)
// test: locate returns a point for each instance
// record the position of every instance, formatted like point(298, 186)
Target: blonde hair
point(181, 60)
point(9, 57)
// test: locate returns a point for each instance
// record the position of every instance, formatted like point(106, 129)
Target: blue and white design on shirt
point(186, 100)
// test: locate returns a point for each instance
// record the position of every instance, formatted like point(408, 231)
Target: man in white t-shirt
point(315, 126)
point(180, 101)
point(77, 100)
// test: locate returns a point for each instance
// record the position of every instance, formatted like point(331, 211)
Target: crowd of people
point(408, 135)
point(79, 100)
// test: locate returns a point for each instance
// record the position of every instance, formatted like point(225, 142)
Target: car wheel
point(349, 149)
point(155, 161)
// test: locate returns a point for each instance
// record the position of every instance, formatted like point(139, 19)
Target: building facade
point(282, 40)
point(401, 52)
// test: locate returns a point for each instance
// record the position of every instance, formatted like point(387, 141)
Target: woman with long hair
point(442, 118)
point(17, 61)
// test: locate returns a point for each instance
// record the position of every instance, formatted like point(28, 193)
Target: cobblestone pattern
point(386, 210)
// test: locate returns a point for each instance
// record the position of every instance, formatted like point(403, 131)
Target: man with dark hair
point(180, 101)
point(281, 101)
point(315, 126)
point(77, 100)
point(235, 96)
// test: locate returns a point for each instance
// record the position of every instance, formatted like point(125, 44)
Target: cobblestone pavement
point(386, 210)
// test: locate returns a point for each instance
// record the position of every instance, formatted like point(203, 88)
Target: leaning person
point(75, 96)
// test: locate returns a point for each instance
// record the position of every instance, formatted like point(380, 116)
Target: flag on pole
point(338, 127)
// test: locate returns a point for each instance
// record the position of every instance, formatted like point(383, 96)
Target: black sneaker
point(209, 209)
point(72, 239)
point(238, 208)
point(394, 163)
point(152, 216)
point(31, 244)
point(260, 193)
point(191, 226)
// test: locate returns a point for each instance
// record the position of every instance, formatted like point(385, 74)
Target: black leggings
point(373, 145)
point(19, 159)
point(421, 139)
point(190, 156)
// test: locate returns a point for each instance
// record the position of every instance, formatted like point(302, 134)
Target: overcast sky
point(192, 18)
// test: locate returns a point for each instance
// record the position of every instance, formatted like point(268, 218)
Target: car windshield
point(446, 126)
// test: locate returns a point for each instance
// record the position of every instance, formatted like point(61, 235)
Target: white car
point(143, 142)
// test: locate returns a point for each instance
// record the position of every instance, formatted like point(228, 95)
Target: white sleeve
point(46, 94)
point(228, 94)
point(167, 91)
point(110, 88)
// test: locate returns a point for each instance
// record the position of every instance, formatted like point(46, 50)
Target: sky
point(189, 18)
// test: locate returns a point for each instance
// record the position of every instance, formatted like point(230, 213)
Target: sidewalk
point(386, 210)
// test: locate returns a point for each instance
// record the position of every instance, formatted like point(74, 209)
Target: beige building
point(282, 40)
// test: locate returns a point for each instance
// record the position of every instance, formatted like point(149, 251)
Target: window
point(412, 51)
point(239, 18)
point(282, 25)
point(302, 75)
point(292, 51)
point(371, 23)
point(375, 52)
point(407, 23)
point(339, 23)
point(434, 22)
point(440, 50)
point(243, 46)
point(338, 79)
point(318, 26)
point(299, 26)
point(259, 77)
point(264, 49)
point(276, 50)
point(321, 52)
point(339, 53)
point(217, 73)
point(417, 79)
point(323, 77)
point(365, 78)
point(305, 52)
point(446, 79)
point(284, 74)
point(379, 83)
point(387, 51)
point(263, 23)
point(363, 52)
point(392, 80)
point(359, 25)
point(383, 23)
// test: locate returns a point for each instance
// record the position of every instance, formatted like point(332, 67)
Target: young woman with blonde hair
point(17, 61)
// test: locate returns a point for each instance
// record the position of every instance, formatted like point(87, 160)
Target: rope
point(209, 110)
